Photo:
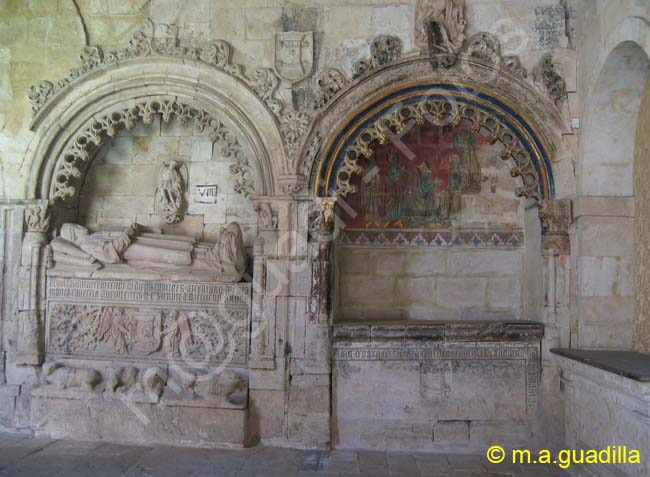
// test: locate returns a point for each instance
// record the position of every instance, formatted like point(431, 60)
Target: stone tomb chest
point(434, 385)
point(148, 359)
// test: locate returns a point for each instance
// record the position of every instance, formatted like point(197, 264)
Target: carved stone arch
point(83, 114)
point(496, 99)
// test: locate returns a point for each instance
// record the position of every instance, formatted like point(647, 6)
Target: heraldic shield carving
point(294, 55)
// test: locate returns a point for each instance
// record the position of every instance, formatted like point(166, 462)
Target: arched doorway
point(605, 206)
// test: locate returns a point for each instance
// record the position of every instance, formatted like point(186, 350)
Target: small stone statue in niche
point(170, 192)
point(223, 261)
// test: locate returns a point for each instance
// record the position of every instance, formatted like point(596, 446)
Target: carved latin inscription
point(431, 358)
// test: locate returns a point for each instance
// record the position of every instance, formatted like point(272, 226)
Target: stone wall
point(642, 210)
point(393, 283)
point(119, 187)
point(570, 278)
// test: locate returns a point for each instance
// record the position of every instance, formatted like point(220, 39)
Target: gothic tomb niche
point(433, 231)
point(168, 177)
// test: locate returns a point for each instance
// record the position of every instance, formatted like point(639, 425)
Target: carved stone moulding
point(162, 40)
point(77, 156)
point(441, 112)
point(329, 83)
point(293, 184)
point(384, 49)
point(294, 127)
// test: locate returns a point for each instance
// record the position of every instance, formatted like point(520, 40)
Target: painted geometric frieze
point(459, 173)
point(162, 40)
point(137, 332)
point(76, 157)
point(440, 238)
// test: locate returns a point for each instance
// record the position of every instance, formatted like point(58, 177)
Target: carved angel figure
point(170, 191)
point(224, 260)
point(445, 21)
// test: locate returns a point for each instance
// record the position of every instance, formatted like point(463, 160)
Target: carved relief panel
point(150, 321)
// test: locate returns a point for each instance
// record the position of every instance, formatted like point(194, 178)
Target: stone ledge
point(628, 364)
point(438, 331)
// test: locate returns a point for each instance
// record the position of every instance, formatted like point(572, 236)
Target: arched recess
point(441, 104)
point(501, 106)
point(607, 216)
point(83, 115)
point(507, 110)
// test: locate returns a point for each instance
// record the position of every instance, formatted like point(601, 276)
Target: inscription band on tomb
point(148, 291)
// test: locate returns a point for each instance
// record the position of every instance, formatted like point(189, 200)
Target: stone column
point(556, 220)
point(29, 340)
point(310, 373)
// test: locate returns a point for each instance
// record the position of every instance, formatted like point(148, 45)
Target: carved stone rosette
point(294, 127)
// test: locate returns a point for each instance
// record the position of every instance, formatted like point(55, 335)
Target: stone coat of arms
point(294, 55)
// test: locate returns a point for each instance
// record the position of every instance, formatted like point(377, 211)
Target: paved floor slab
point(33, 457)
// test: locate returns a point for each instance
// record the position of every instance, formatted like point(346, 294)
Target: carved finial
point(383, 50)
point(37, 218)
point(330, 82)
point(547, 76)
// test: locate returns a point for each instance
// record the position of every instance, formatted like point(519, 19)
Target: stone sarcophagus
point(434, 385)
point(155, 352)
point(148, 321)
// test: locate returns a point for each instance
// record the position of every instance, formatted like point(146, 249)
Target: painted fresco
point(418, 182)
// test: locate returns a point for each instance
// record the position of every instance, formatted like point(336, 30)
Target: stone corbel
point(556, 216)
point(293, 184)
point(34, 258)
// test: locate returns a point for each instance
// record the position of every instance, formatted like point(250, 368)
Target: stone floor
point(23, 456)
